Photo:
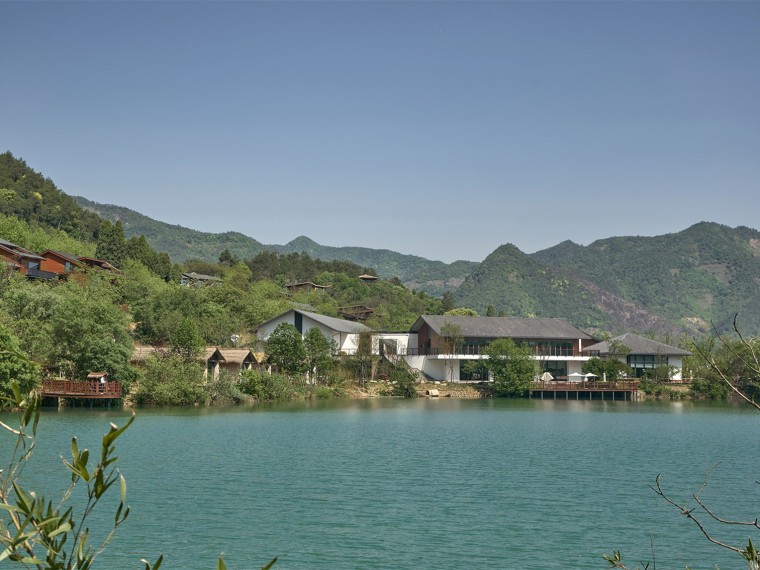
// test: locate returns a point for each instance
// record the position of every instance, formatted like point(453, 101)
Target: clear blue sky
point(442, 129)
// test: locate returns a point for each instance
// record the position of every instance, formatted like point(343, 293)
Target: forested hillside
point(433, 277)
point(704, 274)
point(518, 285)
point(180, 243)
point(30, 196)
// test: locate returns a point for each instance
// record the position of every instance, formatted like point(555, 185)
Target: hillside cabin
point(305, 286)
point(59, 262)
point(212, 358)
point(16, 258)
point(237, 360)
point(194, 279)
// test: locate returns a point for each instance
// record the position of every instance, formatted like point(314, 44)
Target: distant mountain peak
point(302, 242)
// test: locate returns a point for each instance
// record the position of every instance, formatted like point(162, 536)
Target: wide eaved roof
point(338, 325)
point(638, 344)
point(236, 355)
point(504, 327)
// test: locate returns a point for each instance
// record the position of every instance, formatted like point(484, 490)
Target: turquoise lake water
point(424, 483)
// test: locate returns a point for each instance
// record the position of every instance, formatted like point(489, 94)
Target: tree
point(490, 311)
point(404, 380)
point(447, 300)
point(461, 312)
point(319, 354)
point(186, 340)
point(285, 350)
point(90, 333)
point(170, 380)
point(14, 369)
point(227, 258)
point(452, 338)
point(112, 246)
point(511, 366)
point(611, 368)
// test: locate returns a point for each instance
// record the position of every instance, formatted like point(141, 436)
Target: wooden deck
point(621, 390)
point(81, 389)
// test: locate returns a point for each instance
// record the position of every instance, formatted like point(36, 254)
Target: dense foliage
point(701, 275)
point(182, 244)
point(511, 366)
point(30, 196)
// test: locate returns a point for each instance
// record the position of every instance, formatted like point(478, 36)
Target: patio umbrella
point(589, 375)
point(575, 377)
point(546, 377)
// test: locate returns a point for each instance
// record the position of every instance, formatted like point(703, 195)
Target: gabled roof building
point(643, 354)
point(344, 333)
point(556, 343)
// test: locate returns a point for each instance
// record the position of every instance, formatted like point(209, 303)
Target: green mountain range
point(686, 281)
point(433, 277)
point(704, 274)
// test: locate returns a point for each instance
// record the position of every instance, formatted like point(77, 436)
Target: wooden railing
point(620, 385)
point(81, 389)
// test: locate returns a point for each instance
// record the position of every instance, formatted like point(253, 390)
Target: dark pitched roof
point(637, 344)
point(504, 327)
point(17, 251)
point(306, 284)
point(200, 277)
point(338, 325)
point(67, 256)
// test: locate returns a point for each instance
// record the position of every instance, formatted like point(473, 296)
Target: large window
point(641, 363)
point(555, 368)
point(473, 370)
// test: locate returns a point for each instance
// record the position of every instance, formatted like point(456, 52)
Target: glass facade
point(472, 370)
point(641, 363)
point(555, 368)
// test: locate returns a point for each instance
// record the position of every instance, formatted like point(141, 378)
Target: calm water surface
point(419, 483)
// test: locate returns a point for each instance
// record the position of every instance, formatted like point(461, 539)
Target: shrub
point(271, 387)
point(404, 381)
point(170, 380)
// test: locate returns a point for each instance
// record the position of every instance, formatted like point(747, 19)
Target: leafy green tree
point(285, 350)
point(461, 312)
point(14, 369)
point(404, 381)
point(319, 353)
point(452, 339)
point(490, 311)
point(512, 366)
point(186, 340)
point(226, 258)
point(112, 246)
point(271, 387)
point(611, 368)
point(89, 334)
point(170, 380)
